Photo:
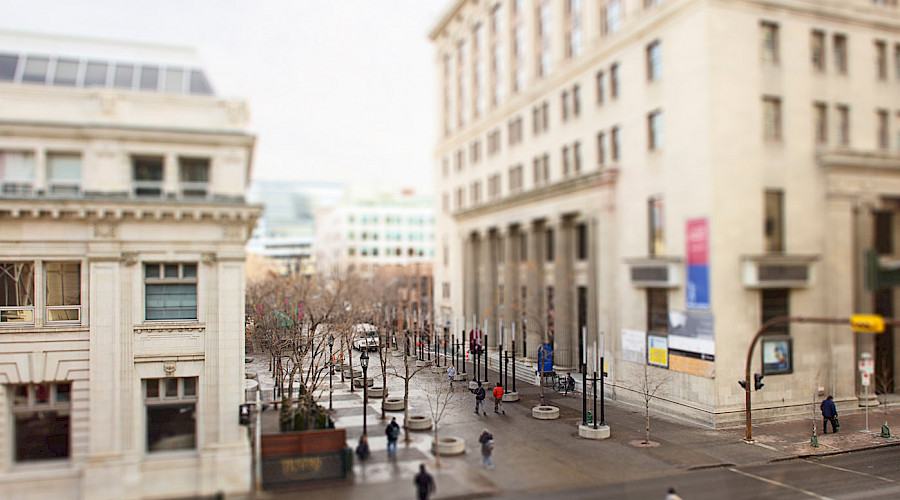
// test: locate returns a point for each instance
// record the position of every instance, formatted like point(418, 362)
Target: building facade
point(286, 232)
point(122, 232)
point(374, 227)
point(661, 177)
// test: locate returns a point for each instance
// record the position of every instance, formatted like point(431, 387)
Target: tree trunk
point(437, 455)
point(647, 411)
point(406, 405)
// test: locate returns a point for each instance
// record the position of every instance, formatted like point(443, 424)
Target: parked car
point(366, 337)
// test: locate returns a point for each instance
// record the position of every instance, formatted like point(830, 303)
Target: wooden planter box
point(288, 444)
point(298, 457)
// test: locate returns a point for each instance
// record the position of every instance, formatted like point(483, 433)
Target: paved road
point(872, 474)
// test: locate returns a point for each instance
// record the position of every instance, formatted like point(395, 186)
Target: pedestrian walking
point(570, 384)
point(671, 495)
point(362, 449)
point(487, 448)
point(392, 431)
point(424, 483)
point(479, 399)
point(829, 414)
point(498, 399)
point(451, 372)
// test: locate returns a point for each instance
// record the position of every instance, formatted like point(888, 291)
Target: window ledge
point(32, 329)
point(168, 327)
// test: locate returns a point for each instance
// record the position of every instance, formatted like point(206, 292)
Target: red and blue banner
point(697, 240)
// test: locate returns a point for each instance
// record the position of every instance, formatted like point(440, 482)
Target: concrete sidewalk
point(536, 455)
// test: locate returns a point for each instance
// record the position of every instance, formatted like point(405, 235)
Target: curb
point(832, 453)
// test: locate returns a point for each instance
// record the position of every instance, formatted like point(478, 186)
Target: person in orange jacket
point(498, 399)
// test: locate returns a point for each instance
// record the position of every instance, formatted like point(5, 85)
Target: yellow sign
point(867, 323)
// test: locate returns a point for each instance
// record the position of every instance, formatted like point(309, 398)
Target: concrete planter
point(397, 354)
point(412, 358)
point(510, 397)
point(358, 382)
point(474, 385)
point(419, 423)
point(438, 369)
point(393, 404)
point(357, 372)
point(545, 412)
point(461, 377)
point(422, 362)
point(588, 431)
point(449, 446)
point(377, 391)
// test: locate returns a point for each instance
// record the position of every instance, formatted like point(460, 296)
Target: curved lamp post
point(364, 362)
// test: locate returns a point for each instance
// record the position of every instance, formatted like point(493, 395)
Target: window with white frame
point(515, 178)
point(843, 112)
point(881, 60)
point(41, 414)
point(840, 52)
point(147, 174)
point(16, 293)
point(615, 151)
point(171, 405)
point(817, 50)
point(171, 291)
point(768, 32)
point(573, 28)
point(543, 38)
point(62, 281)
point(655, 131)
point(614, 81)
point(771, 118)
point(601, 148)
point(193, 177)
point(16, 172)
point(610, 17)
point(63, 173)
point(820, 122)
point(654, 61)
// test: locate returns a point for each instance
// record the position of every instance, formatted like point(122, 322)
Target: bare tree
point(404, 371)
point(440, 397)
point(648, 386)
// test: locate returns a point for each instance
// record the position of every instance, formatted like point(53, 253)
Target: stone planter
point(358, 382)
point(461, 377)
point(393, 404)
point(250, 374)
point(357, 372)
point(474, 385)
point(449, 446)
point(438, 369)
point(397, 354)
point(419, 423)
point(510, 397)
point(545, 412)
point(422, 362)
point(377, 391)
point(412, 358)
point(588, 431)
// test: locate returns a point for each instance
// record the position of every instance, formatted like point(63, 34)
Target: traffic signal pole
point(768, 324)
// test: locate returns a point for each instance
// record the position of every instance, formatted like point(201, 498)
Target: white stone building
point(672, 173)
point(122, 233)
point(374, 227)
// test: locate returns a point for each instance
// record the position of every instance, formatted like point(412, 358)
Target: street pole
point(602, 396)
point(330, 373)
point(485, 348)
point(514, 364)
point(594, 391)
point(257, 441)
point(583, 393)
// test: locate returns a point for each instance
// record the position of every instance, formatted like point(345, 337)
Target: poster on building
point(776, 355)
point(693, 334)
point(697, 287)
point(657, 351)
point(633, 345)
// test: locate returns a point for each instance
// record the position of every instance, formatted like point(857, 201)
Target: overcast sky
point(339, 90)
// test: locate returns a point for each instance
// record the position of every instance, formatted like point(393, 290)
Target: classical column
point(566, 339)
point(470, 282)
point(841, 258)
point(534, 275)
point(593, 292)
point(489, 298)
point(511, 293)
point(865, 241)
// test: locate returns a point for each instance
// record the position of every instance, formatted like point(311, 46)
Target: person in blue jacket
point(829, 414)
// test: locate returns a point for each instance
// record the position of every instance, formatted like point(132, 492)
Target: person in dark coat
point(424, 483)
point(829, 414)
point(392, 431)
point(362, 449)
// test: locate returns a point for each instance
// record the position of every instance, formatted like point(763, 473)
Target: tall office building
point(122, 232)
point(661, 177)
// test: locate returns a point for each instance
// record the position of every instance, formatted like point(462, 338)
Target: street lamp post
point(364, 362)
point(330, 371)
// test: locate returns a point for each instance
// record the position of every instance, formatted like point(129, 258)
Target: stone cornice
point(107, 131)
point(592, 180)
point(848, 160)
point(118, 210)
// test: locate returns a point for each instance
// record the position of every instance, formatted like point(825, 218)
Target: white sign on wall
point(634, 343)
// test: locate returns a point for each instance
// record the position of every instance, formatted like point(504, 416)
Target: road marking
point(854, 472)
point(771, 481)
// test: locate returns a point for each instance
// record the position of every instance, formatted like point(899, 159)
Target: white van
point(366, 337)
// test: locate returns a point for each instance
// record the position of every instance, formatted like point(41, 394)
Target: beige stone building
point(666, 175)
point(122, 233)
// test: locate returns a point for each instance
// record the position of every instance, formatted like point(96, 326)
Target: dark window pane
point(95, 74)
point(171, 387)
point(16, 284)
point(124, 77)
point(8, 63)
point(42, 435)
point(148, 168)
point(42, 393)
point(169, 302)
point(199, 83)
point(775, 302)
point(152, 388)
point(35, 69)
point(149, 78)
point(194, 169)
point(20, 395)
point(190, 386)
point(66, 72)
point(151, 271)
point(190, 270)
point(63, 393)
point(171, 427)
point(171, 270)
